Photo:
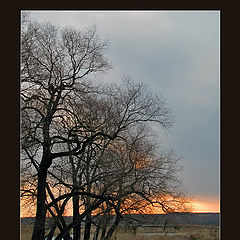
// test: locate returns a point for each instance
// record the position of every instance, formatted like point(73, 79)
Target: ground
point(153, 233)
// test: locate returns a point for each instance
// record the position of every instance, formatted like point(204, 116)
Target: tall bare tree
point(118, 111)
point(79, 134)
point(54, 64)
point(145, 176)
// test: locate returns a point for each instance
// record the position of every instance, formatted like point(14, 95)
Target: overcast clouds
point(177, 54)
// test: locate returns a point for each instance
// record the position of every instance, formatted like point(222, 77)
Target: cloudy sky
point(176, 53)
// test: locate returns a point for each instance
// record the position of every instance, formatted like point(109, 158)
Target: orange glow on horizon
point(206, 205)
point(198, 205)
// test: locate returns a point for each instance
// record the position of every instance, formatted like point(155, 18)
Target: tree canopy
point(86, 142)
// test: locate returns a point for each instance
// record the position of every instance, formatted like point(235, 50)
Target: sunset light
point(202, 205)
point(206, 205)
point(120, 125)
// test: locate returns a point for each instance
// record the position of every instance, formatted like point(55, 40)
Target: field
point(153, 233)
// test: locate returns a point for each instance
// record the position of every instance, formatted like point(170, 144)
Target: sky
point(177, 54)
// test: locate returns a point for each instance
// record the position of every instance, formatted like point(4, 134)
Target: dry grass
point(183, 233)
point(26, 231)
point(153, 233)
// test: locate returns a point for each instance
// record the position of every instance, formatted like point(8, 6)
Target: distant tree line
point(86, 142)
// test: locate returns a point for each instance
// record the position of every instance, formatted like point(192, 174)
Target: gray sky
point(176, 53)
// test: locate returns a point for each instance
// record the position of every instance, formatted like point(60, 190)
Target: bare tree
point(54, 64)
point(93, 171)
point(145, 176)
point(79, 134)
point(116, 111)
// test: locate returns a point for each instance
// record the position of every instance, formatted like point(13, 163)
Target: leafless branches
point(86, 143)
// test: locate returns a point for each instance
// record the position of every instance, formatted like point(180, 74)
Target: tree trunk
point(57, 224)
point(88, 224)
point(78, 220)
point(96, 232)
point(39, 224)
point(53, 228)
point(59, 219)
point(77, 228)
point(104, 227)
point(113, 227)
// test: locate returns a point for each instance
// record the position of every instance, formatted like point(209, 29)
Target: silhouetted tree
point(92, 140)
point(54, 65)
